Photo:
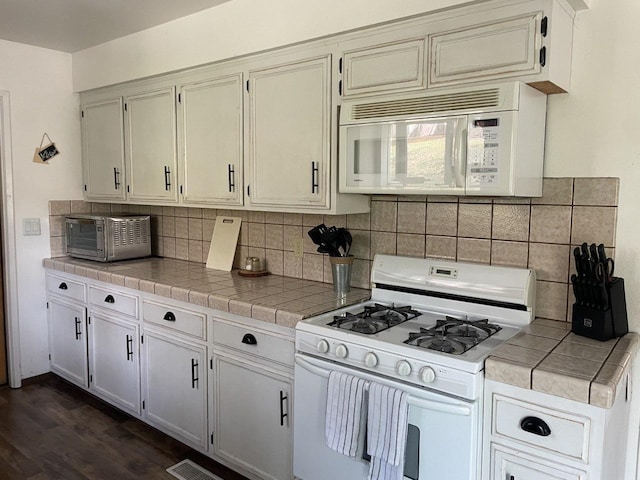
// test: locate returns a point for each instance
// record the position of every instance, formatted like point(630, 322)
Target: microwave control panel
point(482, 154)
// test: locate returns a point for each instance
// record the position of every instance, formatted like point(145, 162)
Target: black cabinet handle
point(543, 56)
point(283, 415)
point(232, 178)
point(169, 317)
point(314, 177)
point(249, 339)
point(63, 286)
point(78, 330)
point(129, 347)
point(535, 425)
point(109, 299)
point(167, 178)
point(116, 178)
point(194, 373)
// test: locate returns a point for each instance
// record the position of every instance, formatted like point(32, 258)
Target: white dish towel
point(386, 432)
point(344, 407)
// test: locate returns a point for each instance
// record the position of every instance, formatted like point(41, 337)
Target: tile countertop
point(548, 358)
point(273, 298)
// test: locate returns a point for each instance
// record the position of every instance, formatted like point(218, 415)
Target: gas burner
point(374, 318)
point(453, 335)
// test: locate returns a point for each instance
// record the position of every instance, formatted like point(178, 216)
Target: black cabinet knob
point(169, 317)
point(63, 286)
point(249, 339)
point(535, 425)
point(109, 299)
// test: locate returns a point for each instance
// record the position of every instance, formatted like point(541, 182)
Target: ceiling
point(73, 25)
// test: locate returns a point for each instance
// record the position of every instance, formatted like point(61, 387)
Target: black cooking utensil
point(316, 233)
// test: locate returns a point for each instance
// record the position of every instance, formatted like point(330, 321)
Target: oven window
point(82, 236)
point(411, 454)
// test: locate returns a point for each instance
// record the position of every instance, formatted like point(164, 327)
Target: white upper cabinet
point(485, 51)
point(150, 145)
point(103, 150)
point(211, 133)
point(385, 68)
point(290, 134)
point(530, 41)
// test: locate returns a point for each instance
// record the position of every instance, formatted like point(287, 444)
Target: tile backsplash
point(537, 233)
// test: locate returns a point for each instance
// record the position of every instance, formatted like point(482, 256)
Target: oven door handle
point(423, 403)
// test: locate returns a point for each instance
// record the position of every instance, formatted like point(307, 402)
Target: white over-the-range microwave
point(483, 140)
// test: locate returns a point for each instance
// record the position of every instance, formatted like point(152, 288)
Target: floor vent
point(187, 470)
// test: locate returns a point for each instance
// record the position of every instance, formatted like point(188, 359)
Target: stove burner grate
point(374, 318)
point(453, 335)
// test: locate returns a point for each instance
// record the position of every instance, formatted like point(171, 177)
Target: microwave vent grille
point(428, 104)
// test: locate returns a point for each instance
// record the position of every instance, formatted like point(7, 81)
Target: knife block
point(603, 324)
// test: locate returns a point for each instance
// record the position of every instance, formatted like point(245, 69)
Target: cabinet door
point(513, 465)
point(387, 68)
point(114, 368)
point(210, 117)
point(252, 422)
point(150, 125)
point(290, 134)
point(482, 52)
point(103, 150)
point(175, 390)
point(68, 341)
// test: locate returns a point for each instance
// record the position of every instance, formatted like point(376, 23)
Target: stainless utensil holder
point(341, 270)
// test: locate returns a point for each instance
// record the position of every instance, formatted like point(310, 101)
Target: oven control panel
point(378, 361)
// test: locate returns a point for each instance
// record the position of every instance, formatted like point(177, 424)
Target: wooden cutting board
point(223, 243)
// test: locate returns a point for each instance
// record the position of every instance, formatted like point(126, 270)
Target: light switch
point(31, 226)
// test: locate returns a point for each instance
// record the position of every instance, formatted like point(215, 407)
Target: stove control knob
point(370, 360)
point(403, 368)
point(341, 351)
point(427, 374)
point(322, 346)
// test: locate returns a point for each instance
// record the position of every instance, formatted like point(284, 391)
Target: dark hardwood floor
point(50, 429)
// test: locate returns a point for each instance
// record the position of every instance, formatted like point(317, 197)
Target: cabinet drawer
point(557, 432)
point(66, 288)
point(112, 300)
point(254, 342)
point(169, 316)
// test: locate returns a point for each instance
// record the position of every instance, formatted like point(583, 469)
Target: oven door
point(85, 238)
point(443, 440)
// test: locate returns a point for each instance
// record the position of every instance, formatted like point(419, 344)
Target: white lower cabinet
point(251, 385)
point(68, 341)
point(530, 435)
point(114, 361)
point(223, 386)
point(252, 417)
point(175, 387)
point(513, 465)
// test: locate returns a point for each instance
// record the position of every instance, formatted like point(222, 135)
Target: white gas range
point(426, 330)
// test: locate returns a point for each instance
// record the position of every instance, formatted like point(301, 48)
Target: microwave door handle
point(460, 153)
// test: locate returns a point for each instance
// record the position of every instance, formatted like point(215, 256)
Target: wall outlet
point(297, 247)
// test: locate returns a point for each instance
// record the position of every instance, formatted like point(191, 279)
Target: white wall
point(42, 100)
point(235, 28)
